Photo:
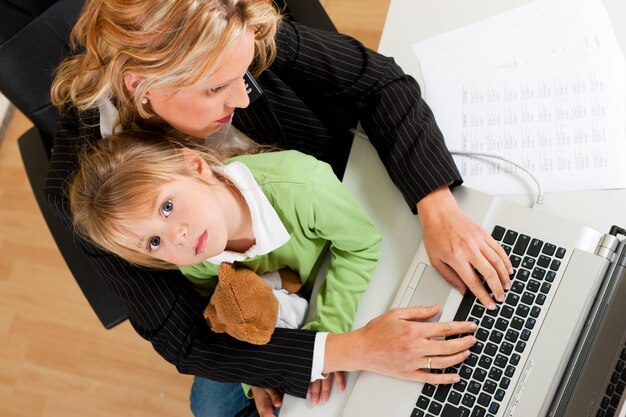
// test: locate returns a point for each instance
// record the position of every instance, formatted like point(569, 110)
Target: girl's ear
point(196, 163)
point(131, 81)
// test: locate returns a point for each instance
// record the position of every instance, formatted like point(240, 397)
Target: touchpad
point(431, 288)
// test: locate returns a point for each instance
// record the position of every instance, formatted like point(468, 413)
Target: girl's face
point(190, 221)
point(201, 110)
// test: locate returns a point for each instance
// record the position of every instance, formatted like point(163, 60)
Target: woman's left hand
point(267, 400)
point(319, 391)
point(458, 247)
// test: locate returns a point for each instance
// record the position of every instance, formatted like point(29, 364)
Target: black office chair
point(33, 38)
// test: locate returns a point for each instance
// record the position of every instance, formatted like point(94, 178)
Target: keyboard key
point(512, 299)
point(535, 247)
point(479, 374)
point(496, 336)
point(533, 286)
point(550, 276)
point(534, 312)
point(501, 361)
point(494, 407)
point(478, 412)
point(515, 260)
point(485, 362)
point(520, 346)
point(417, 413)
point(477, 348)
point(541, 299)
point(511, 336)
point(484, 399)
point(478, 310)
point(465, 372)
point(498, 232)
point(428, 390)
point(515, 359)
point(474, 387)
point(509, 371)
point(525, 334)
point(499, 395)
point(452, 411)
point(548, 249)
point(521, 245)
point(471, 360)
point(516, 322)
point(468, 400)
point(491, 349)
point(454, 397)
point(522, 274)
point(504, 383)
point(495, 374)
point(422, 402)
point(461, 385)
point(442, 392)
point(545, 287)
point(487, 322)
point(502, 324)
point(538, 273)
point(528, 262)
point(509, 237)
point(522, 310)
point(560, 253)
point(506, 348)
point(490, 386)
point(528, 298)
point(530, 323)
point(481, 334)
point(517, 287)
point(543, 261)
point(435, 408)
point(555, 265)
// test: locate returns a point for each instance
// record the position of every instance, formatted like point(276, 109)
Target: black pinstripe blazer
point(314, 73)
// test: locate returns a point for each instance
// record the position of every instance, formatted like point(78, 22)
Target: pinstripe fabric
point(312, 67)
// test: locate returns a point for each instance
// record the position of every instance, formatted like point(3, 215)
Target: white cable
point(538, 202)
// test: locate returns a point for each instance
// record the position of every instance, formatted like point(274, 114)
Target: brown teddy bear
point(244, 306)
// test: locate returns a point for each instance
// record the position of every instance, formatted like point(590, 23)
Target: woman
point(180, 64)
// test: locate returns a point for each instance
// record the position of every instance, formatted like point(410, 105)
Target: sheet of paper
point(542, 85)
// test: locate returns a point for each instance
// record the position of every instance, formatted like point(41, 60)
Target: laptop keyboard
point(615, 388)
point(504, 336)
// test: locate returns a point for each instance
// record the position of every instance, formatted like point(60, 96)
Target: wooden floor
point(56, 360)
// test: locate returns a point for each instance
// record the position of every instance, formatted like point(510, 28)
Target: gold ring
point(430, 361)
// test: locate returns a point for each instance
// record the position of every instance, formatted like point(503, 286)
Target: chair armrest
point(107, 306)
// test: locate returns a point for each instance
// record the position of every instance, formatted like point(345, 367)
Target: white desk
point(408, 22)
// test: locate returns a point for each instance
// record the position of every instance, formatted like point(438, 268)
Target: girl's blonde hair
point(170, 44)
point(118, 182)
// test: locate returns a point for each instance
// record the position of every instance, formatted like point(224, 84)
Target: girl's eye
point(167, 207)
point(153, 243)
point(217, 89)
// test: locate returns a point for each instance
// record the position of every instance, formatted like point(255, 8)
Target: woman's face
point(203, 109)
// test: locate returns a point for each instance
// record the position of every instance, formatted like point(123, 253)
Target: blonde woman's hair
point(170, 44)
point(118, 182)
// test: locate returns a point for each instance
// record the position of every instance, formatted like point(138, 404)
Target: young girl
point(159, 204)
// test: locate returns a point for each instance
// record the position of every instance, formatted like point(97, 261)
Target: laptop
point(556, 346)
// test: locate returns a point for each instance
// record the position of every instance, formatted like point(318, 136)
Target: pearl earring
point(144, 101)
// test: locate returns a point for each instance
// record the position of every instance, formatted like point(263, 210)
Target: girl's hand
point(267, 400)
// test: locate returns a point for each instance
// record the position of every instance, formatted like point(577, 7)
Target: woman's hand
point(320, 390)
point(398, 344)
point(267, 400)
point(458, 247)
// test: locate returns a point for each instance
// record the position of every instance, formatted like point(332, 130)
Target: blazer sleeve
point(164, 308)
point(388, 102)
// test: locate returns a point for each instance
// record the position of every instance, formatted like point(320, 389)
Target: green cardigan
point(317, 210)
